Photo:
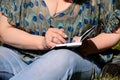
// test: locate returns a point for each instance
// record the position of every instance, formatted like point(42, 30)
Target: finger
point(57, 41)
point(50, 43)
point(76, 38)
point(58, 38)
point(56, 33)
point(59, 31)
point(51, 33)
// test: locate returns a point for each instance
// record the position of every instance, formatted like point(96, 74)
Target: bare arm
point(101, 42)
point(19, 38)
point(105, 40)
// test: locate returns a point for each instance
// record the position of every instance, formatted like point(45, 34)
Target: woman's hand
point(55, 36)
point(76, 38)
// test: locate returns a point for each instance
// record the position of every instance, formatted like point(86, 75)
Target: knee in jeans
point(66, 56)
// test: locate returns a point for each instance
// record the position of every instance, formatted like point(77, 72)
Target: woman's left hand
point(76, 38)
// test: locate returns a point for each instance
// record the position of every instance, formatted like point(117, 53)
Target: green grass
point(117, 46)
point(108, 77)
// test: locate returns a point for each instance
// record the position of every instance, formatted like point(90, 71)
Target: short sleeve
point(11, 9)
point(110, 15)
point(113, 21)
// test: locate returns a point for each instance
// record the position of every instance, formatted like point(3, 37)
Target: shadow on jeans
point(5, 76)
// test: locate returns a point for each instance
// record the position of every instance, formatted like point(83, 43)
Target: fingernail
point(66, 36)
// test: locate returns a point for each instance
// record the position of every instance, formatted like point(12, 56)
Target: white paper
point(73, 44)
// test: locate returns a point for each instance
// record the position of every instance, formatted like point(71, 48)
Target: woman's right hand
point(55, 36)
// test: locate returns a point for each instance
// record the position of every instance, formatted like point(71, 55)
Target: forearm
point(21, 39)
point(99, 43)
point(18, 38)
point(104, 40)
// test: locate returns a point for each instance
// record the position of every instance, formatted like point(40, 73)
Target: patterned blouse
point(33, 17)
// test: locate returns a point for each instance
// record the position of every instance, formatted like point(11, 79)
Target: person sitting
point(29, 29)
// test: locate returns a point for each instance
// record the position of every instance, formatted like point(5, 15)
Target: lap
point(57, 62)
point(10, 62)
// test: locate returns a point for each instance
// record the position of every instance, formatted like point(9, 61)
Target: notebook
point(79, 42)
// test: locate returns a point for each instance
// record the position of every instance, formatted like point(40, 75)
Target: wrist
point(42, 44)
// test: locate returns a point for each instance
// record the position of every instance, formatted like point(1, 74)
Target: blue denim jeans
point(59, 64)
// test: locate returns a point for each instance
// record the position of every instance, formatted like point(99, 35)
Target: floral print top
point(33, 17)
